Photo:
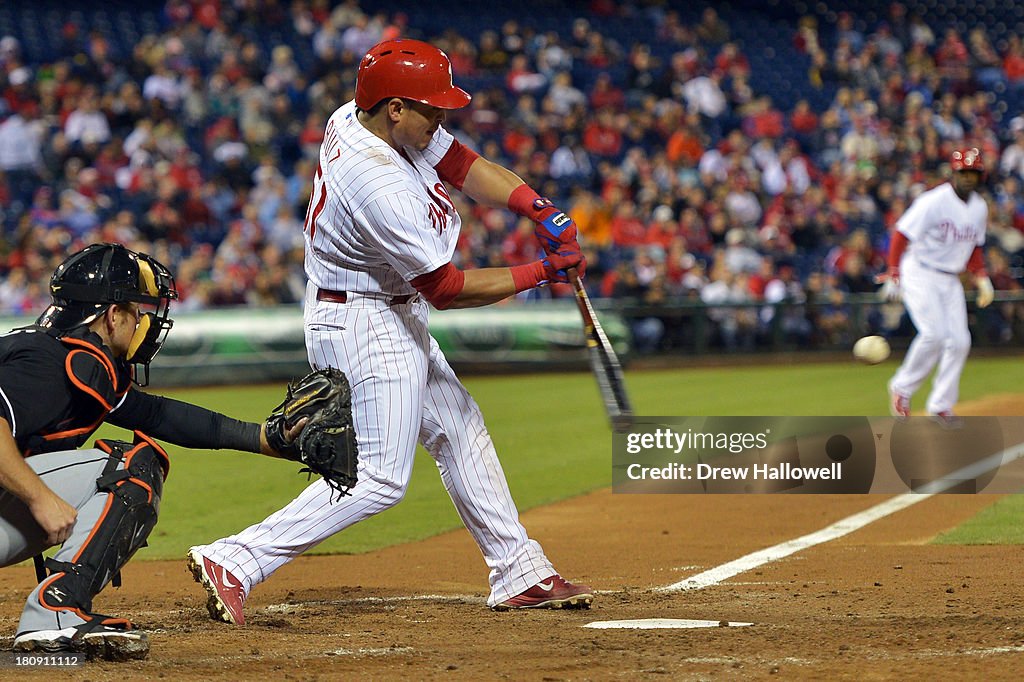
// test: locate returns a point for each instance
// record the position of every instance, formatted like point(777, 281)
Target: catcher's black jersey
point(55, 393)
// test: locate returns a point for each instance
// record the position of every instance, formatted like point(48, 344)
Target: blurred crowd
point(687, 180)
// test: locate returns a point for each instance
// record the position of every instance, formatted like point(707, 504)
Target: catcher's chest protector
point(97, 381)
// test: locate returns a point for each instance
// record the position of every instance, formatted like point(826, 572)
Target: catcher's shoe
point(226, 594)
point(899, 405)
point(112, 640)
point(553, 593)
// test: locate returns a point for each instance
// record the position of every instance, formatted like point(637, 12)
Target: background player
point(939, 235)
point(380, 234)
point(59, 380)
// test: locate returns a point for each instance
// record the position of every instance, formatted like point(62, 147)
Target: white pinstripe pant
point(938, 308)
point(403, 391)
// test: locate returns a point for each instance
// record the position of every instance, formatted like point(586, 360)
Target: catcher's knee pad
point(133, 501)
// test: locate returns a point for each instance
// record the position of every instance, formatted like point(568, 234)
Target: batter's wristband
point(528, 276)
point(527, 203)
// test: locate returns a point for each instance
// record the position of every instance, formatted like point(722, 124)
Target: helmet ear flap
point(141, 332)
point(147, 279)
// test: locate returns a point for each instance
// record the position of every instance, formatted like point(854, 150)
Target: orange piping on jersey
point(111, 371)
point(85, 388)
point(74, 432)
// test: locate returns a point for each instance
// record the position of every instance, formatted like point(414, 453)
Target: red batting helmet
point(410, 69)
point(967, 159)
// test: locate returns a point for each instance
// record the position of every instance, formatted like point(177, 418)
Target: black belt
point(342, 297)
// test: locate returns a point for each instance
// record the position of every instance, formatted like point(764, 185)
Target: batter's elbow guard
point(133, 483)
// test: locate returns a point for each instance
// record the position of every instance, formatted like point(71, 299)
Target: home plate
point(662, 623)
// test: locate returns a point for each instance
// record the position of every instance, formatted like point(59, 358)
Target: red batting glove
point(556, 265)
point(554, 228)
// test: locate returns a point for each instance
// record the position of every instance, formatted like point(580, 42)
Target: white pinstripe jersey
point(943, 229)
point(376, 218)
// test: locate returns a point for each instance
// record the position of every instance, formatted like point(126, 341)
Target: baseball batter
point(939, 236)
point(380, 234)
point(84, 352)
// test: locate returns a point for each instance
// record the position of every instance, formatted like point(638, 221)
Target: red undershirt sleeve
point(976, 263)
point(455, 164)
point(441, 286)
point(897, 246)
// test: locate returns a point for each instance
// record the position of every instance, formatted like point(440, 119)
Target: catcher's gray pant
point(403, 392)
point(72, 475)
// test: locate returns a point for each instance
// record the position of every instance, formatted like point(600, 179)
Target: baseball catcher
point(327, 443)
point(78, 366)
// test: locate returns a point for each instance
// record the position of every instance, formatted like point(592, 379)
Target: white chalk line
point(293, 606)
point(436, 598)
point(842, 527)
point(385, 651)
point(989, 651)
point(663, 624)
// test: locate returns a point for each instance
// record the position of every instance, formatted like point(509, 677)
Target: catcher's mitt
point(327, 443)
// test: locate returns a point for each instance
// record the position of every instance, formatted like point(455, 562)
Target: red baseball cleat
point(553, 593)
point(226, 594)
point(899, 405)
point(947, 420)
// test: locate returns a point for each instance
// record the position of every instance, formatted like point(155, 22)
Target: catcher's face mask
point(156, 291)
point(90, 281)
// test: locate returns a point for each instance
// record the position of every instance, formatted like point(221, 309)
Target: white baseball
point(871, 350)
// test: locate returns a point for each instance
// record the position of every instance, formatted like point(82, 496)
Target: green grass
point(548, 453)
point(998, 524)
point(550, 432)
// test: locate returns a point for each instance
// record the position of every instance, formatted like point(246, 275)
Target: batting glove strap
point(554, 230)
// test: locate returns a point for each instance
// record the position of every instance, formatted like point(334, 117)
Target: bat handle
point(574, 278)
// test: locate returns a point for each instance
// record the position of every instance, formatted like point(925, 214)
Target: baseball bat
point(603, 361)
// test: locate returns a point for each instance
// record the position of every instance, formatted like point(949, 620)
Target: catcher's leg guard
point(133, 483)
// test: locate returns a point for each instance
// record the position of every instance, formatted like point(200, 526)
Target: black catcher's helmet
point(102, 275)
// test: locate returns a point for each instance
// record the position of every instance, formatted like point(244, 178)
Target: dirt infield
point(879, 603)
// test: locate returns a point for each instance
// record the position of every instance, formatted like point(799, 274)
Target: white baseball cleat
point(110, 642)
